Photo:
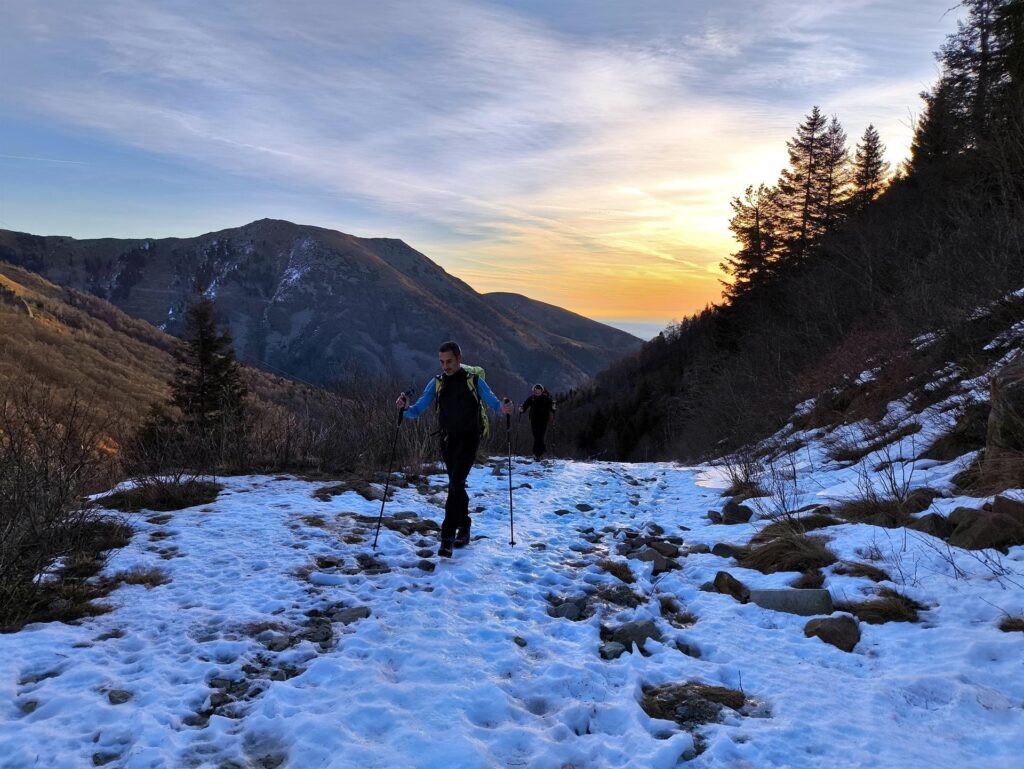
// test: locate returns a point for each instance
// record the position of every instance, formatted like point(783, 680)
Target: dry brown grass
point(163, 496)
point(790, 525)
point(794, 552)
point(857, 569)
point(809, 580)
point(854, 451)
point(618, 569)
point(967, 434)
point(890, 606)
point(1012, 625)
point(141, 575)
point(887, 510)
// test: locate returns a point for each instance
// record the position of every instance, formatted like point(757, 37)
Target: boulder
point(734, 513)
point(806, 603)
point(725, 550)
point(963, 515)
point(714, 516)
point(666, 549)
point(986, 530)
point(700, 547)
point(842, 632)
point(1005, 430)
point(348, 616)
point(1008, 506)
point(727, 584)
point(933, 524)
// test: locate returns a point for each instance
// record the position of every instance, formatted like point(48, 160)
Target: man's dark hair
point(451, 347)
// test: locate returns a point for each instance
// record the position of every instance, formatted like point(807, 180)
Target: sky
point(580, 152)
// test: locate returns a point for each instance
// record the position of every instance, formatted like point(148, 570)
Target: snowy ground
point(462, 666)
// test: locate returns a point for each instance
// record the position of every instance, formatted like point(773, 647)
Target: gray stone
point(806, 603)
point(612, 650)
point(725, 550)
point(842, 632)
point(276, 642)
point(727, 584)
point(520, 641)
point(219, 700)
point(666, 549)
point(348, 616)
point(572, 609)
point(1008, 506)
point(734, 513)
point(583, 507)
point(714, 516)
point(988, 530)
point(104, 757)
point(635, 633)
point(425, 552)
point(934, 524)
point(700, 547)
point(426, 565)
point(118, 696)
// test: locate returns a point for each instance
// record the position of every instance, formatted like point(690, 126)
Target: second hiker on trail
point(542, 413)
point(460, 393)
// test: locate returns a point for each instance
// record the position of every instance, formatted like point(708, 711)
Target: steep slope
point(74, 342)
point(595, 344)
point(319, 304)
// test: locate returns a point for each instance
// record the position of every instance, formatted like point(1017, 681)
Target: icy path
point(463, 666)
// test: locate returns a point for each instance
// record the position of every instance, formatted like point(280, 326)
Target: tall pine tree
point(755, 224)
point(870, 169)
point(800, 189)
point(835, 175)
point(208, 387)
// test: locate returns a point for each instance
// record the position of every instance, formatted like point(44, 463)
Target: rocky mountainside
point(319, 304)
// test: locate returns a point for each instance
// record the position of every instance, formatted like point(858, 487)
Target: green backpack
point(475, 373)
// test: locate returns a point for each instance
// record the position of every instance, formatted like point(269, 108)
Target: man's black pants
point(459, 452)
point(539, 428)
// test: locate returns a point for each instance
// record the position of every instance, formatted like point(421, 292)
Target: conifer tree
point(835, 175)
point(800, 189)
point(870, 169)
point(208, 387)
point(755, 224)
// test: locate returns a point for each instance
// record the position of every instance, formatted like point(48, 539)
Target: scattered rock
point(620, 595)
point(118, 696)
point(700, 547)
point(612, 650)
point(583, 507)
point(563, 512)
point(573, 609)
point(734, 513)
point(104, 757)
point(665, 548)
point(635, 633)
point(714, 516)
point(933, 524)
point(985, 530)
point(275, 642)
point(1008, 506)
point(805, 603)
point(520, 641)
point(538, 546)
point(725, 550)
point(727, 584)
point(842, 632)
point(689, 705)
point(348, 616)
point(427, 565)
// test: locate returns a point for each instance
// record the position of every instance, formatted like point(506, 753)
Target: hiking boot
point(445, 550)
point(462, 536)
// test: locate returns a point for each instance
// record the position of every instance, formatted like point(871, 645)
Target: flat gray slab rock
point(806, 603)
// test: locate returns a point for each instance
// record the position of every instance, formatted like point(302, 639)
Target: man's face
point(449, 362)
point(538, 391)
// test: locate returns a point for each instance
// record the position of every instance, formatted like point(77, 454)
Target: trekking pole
point(387, 482)
point(511, 520)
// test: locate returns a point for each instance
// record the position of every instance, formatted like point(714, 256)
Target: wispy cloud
point(576, 156)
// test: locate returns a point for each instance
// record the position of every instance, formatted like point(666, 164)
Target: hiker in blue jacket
point(459, 393)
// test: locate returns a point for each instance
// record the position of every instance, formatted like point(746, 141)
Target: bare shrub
point(745, 475)
point(51, 457)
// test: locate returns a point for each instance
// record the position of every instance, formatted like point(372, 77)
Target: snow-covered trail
point(463, 666)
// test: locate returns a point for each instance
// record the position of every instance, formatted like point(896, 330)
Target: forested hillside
point(840, 263)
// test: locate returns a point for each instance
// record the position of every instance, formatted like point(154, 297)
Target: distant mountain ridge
point(319, 304)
